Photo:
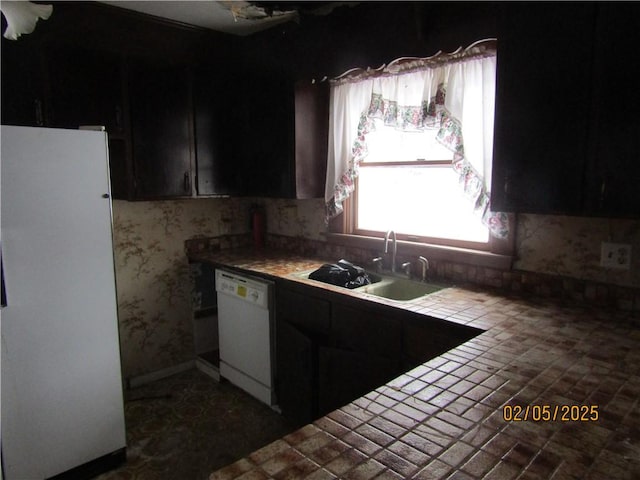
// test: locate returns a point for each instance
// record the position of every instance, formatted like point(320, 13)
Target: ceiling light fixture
point(22, 17)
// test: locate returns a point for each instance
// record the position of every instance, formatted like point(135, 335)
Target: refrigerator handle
point(3, 292)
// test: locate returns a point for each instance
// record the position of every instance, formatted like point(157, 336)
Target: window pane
point(386, 144)
point(422, 200)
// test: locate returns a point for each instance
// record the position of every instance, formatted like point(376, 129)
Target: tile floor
point(187, 426)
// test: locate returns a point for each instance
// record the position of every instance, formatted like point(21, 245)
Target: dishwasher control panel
point(243, 288)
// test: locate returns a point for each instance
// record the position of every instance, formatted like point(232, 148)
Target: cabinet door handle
point(187, 182)
point(603, 192)
point(37, 103)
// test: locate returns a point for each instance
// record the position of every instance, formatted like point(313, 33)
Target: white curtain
point(457, 98)
point(347, 103)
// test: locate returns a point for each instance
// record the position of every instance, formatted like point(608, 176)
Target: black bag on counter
point(343, 274)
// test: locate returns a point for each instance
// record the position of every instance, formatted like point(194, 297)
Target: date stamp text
point(550, 413)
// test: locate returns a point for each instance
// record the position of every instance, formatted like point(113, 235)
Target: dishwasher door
point(245, 333)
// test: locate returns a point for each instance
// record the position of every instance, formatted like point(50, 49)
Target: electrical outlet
point(615, 255)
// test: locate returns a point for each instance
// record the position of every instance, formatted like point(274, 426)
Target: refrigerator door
point(62, 403)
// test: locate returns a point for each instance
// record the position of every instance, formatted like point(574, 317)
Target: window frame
point(499, 253)
point(353, 207)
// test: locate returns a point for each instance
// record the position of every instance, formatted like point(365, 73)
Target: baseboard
point(208, 369)
point(133, 382)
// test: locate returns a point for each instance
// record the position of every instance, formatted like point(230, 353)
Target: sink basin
point(400, 289)
point(373, 277)
point(393, 288)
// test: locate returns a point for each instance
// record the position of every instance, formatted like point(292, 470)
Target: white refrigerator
point(62, 398)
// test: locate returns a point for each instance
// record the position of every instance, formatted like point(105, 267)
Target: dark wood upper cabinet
point(162, 139)
point(267, 117)
point(215, 132)
point(566, 127)
point(86, 88)
point(23, 82)
point(542, 107)
point(613, 170)
point(311, 137)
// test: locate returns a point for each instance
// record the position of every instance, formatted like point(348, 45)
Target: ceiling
point(233, 16)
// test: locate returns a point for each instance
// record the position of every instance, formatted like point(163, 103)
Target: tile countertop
point(446, 418)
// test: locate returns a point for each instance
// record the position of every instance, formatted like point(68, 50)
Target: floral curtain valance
point(455, 98)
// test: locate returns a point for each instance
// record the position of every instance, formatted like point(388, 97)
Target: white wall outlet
point(615, 255)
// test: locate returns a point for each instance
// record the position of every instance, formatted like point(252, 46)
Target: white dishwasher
point(245, 333)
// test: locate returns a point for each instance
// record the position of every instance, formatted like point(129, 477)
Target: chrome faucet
point(395, 248)
point(425, 267)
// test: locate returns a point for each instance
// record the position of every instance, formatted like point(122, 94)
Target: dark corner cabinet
point(332, 348)
point(567, 130)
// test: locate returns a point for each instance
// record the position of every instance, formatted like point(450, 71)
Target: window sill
point(467, 256)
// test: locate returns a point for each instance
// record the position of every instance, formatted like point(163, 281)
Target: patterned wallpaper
point(152, 274)
point(296, 218)
point(570, 246)
point(156, 328)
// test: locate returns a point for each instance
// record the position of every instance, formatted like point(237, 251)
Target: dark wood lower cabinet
point(302, 324)
point(332, 349)
point(345, 375)
point(366, 328)
point(296, 381)
point(423, 340)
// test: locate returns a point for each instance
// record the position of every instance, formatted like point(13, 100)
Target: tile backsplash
point(560, 246)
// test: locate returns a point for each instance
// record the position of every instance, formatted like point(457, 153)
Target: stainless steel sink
point(400, 289)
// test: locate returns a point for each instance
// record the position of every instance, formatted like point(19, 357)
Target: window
point(407, 183)
point(410, 149)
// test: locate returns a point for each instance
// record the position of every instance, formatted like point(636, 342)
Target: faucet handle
point(378, 263)
point(425, 266)
point(406, 266)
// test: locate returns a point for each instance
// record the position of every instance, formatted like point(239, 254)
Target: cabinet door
point(161, 130)
point(614, 175)
point(424, 338)
point(302, 323)
point(366, 330)
point(344, 376)
point(214, 103)
point(296, 379)
point(300, 308)
point(311, 138)
point(264, 135)
point(22, 83)
point(86, 89)
point(542, 106)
